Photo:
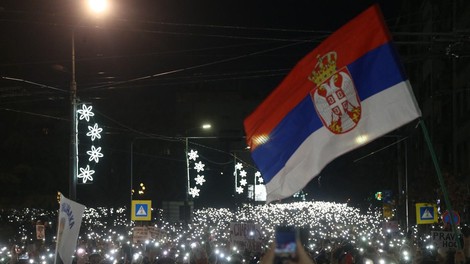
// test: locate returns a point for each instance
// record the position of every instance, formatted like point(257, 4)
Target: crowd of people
point(329, 233)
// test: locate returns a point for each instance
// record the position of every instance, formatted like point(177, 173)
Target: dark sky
point(151, 69)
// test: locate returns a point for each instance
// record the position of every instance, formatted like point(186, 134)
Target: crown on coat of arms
point(325, 67)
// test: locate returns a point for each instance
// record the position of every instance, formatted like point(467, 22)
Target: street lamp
point(98, 6)
point(95, 6)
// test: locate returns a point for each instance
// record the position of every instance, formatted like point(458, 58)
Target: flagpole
point(57, 232)
point(441, 180)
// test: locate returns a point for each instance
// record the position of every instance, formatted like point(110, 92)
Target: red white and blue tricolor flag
point(348, 91)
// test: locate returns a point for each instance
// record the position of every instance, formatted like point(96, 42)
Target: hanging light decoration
point(94, 152)
point(241, 178)
point(199, 179)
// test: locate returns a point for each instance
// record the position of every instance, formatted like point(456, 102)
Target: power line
point(196, 66)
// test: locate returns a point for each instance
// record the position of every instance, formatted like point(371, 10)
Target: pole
point(130, 202)
point(132, 178)
point(73, 129)
point(187, 208)
point(235, 173)
point(441, 181)
point(407, 209)
point(188, 186)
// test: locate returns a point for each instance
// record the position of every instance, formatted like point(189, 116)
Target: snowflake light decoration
point(193, 155)
point(86, 174)
point(258, 177)
point(241, 176)
point(94, 134)
point(194, 192)
point(95, 154)
point(199, 166)
point(86, 113)
point(238, 166)
point(243, 182)
point(199, 179)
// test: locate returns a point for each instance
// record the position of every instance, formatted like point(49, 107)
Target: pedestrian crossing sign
point(141, 210)
point(426, 213)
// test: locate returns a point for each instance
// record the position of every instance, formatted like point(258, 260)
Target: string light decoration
point(199, 179)
point(93, 135)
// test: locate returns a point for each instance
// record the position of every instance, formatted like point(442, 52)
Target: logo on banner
point(334, 95)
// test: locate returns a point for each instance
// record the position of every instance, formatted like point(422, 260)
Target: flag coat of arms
point(70, 220)
point(348, 91)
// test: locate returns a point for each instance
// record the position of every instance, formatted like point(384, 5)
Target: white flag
point(70, 219)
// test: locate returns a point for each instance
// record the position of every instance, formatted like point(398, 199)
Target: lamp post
point(96, 6)
point(186, 152)
point(132, 167)
point(186, 140)
point(188, 181)
point(186, 207)
point(73, 128)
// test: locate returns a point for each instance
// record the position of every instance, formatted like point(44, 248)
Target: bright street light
point(98, 6)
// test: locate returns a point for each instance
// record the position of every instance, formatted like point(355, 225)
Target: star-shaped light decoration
point(238, 166)
point(94, 132)
point(95, 154)
point(86, 113)
point(194, 192)
point(258, 174)
point(260, 179)
point(86, 174)
point(193, 155)
point(200, 179)
point(243, 182)
point(243, 173)
point(199, 166)
point(239, 190)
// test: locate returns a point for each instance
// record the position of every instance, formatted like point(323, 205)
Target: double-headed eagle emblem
point(334, 95)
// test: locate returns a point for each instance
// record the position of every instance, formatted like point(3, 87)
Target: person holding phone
point(287, 248)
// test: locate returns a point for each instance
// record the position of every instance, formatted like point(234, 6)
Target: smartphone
point(286, 242)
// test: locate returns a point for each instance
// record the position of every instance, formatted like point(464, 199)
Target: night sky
point(159, 69)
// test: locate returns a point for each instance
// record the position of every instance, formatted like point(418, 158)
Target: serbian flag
point(348, 91)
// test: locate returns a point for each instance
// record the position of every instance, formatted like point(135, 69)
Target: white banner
point(140, 234)
point(246, 236)
point(143, 233)
point(70, 219)
point(444, 239)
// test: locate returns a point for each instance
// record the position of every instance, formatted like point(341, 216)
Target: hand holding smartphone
point(286, 242)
